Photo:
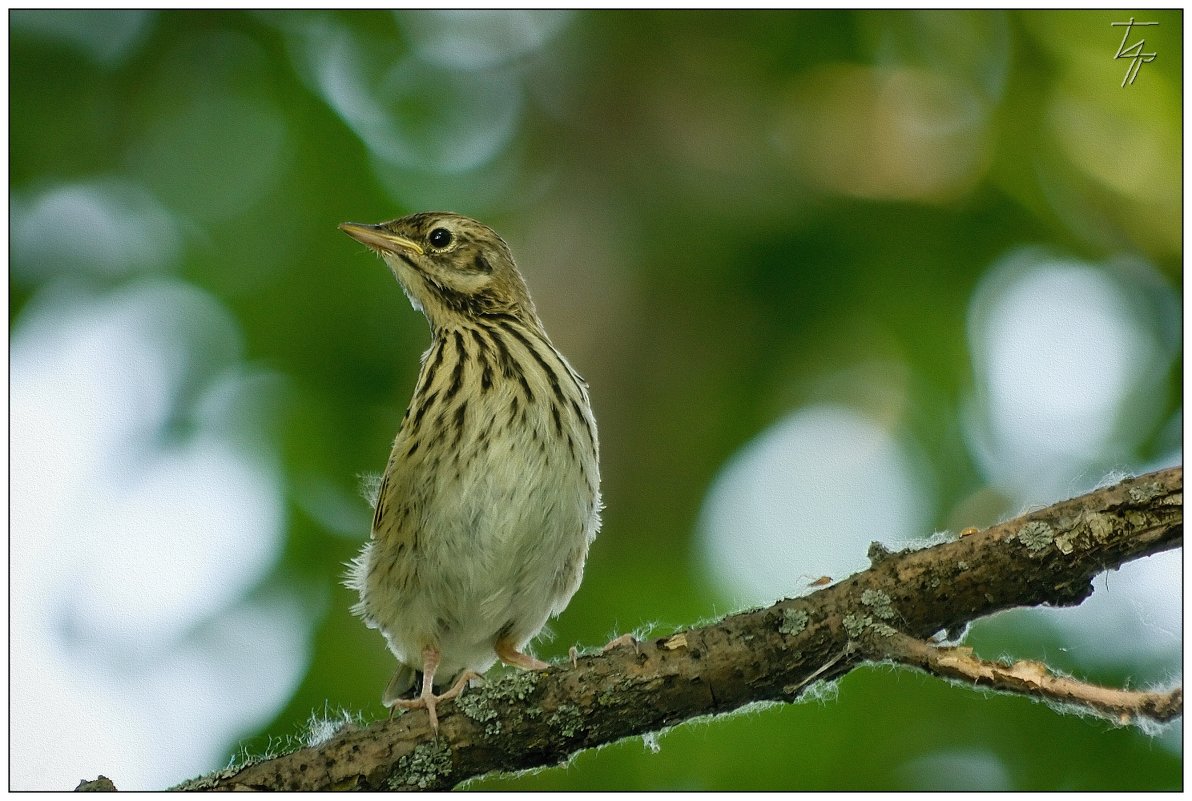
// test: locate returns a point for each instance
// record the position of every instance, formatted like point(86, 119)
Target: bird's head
point(450, 266)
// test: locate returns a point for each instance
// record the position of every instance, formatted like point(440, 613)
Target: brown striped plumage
point(491, 494)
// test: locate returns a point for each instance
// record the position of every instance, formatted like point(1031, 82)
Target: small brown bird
point(492, 492)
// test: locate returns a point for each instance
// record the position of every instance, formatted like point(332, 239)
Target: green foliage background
point(695, 260)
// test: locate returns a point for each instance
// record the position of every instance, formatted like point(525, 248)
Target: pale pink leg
point(511, 656)
point(460, 685)
point(427, 699)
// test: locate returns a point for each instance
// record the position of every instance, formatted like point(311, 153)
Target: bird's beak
point(380, 239)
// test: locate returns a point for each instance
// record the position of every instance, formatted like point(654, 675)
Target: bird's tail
point(404, 684)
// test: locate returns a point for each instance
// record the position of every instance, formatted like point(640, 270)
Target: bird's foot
point(508, 654)
point(429, 701)
point(624, 639)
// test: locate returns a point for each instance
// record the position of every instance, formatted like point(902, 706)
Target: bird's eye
point(439, 238)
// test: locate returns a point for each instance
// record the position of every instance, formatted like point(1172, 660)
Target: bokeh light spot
point(135, 545)
point(471, 39)
point(107, 226)
point(805, 499)
point(109, 38)
point(410, 113)
point(898, 134)
point(1057, 348)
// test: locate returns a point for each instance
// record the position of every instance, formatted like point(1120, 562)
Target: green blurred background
point(833, 276)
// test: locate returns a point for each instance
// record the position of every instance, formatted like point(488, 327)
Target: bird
point(491, 496)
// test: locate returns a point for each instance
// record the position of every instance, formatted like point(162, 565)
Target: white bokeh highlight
point(1070, 361)
point(473, 39)
point(1058, 348)
point(960, 770)
point(133, 650)
point(109, 39)
point(410, 113)
point(116, 228)
point(805, 499)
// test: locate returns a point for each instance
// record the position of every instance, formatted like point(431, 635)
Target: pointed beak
point(380, 239)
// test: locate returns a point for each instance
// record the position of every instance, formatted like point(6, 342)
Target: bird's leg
point(460, 685)
point(511, 656)
point(427, 699)
point(430, 661)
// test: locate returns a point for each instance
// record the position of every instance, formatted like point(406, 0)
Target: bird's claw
point(624, 639)
point(429, 701)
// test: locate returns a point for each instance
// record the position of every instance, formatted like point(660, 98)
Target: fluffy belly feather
point(488, 548)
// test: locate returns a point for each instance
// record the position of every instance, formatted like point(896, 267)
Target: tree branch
point(1035, 679)
point(527, 720)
